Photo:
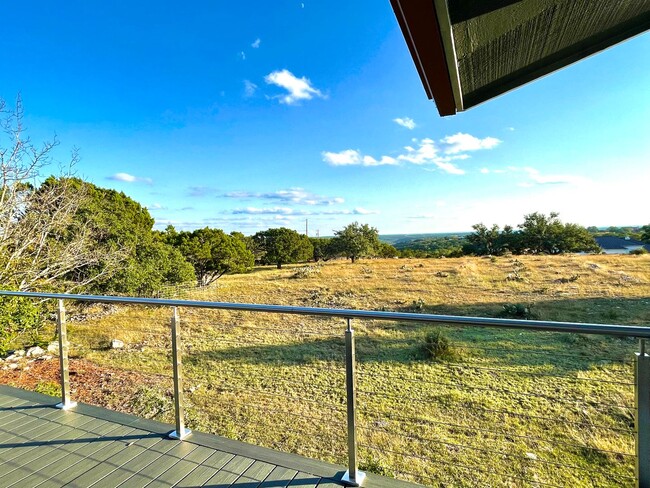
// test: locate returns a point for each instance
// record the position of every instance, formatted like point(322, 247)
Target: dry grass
point(509, 409)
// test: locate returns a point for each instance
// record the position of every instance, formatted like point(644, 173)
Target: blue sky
point(249, 115)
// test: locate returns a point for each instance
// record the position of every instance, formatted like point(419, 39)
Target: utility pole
point(307, 227)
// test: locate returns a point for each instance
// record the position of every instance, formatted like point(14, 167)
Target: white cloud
point(242, 55)
point(293, 195)
point(156, 206)
point(256, 43)
point(128, 178)
point(460, 142)
point(422, 152)
point(298, 88)
point(450, 168)
point(485, 171)
point(407, 122)
point(352, 157)
point(249, 88)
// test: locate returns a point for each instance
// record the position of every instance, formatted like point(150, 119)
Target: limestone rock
point(35, 352)
point(117, 344)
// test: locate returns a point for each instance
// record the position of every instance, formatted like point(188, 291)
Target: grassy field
point(498, 408)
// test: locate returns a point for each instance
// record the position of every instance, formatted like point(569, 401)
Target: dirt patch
point(92, 384)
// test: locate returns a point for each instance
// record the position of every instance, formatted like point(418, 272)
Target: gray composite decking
point(90, 446)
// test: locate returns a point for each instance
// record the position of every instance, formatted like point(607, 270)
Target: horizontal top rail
point(536, 325)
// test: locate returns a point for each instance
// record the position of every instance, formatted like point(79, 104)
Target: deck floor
point(89, 446)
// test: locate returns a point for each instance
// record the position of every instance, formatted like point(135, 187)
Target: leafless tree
point(42, 244)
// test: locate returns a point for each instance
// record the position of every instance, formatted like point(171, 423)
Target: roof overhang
point(469, 51)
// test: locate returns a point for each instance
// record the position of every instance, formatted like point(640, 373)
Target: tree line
point(538, 234)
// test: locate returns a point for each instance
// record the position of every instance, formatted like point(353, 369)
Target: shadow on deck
point(91, 446)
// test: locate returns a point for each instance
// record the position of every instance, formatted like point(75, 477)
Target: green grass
point(508, 408)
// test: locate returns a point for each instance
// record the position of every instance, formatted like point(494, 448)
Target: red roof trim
point(419, 24)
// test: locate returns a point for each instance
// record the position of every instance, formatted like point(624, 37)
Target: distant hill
point(402, 241)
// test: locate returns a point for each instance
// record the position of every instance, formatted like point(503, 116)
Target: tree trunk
point(279, 265)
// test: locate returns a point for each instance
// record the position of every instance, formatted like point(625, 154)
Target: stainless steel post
point(61, 329)
point(352, 477)
point(181, 432)
point(642, 427)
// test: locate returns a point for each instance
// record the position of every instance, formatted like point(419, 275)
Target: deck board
point(42, 446)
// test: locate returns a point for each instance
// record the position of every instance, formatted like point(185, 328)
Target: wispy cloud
point(298, 88)
point(156, 206)
point(407, 122)
point(267, 211)
point(201, 191)
point(287, 211)
point(256, 43)
point(293, 195)
point(128, 178)
point(249, 88)
point(541, 179)
point(536, 177)
point(242, 55)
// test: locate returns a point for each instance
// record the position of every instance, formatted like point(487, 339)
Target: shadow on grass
point(400, 342)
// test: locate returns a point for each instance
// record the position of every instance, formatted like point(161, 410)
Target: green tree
point(385, 250)
point(153, 265)
point(541, 234)
point(355, 241)
point(132, 258)
point(212, 253)
point(321, 247)
point(484, 240)
point(282, 246)
point(645, 233)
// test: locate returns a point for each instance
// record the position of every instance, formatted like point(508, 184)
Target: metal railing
point(416, 445)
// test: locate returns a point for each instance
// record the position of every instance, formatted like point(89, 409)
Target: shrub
point(518, 311)
point(417, 305)
point(639, 251)
point(437, 346)
point(19, 318)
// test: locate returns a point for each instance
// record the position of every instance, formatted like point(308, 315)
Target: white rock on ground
point(53, 347)
point(117, 344)
point(35, 352)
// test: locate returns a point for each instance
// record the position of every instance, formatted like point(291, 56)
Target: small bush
point(417, 305)
point(518, 311)
point(49, 388)
point(437, 346)
point(306, 272)
point(570, 279)
point(639, 251)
